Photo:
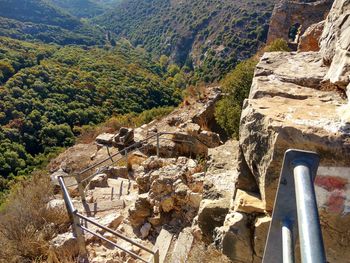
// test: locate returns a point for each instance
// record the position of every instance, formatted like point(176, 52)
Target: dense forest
point(48, 91)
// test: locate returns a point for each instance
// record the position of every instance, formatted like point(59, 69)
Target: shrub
point(236, 86)
point(27, 224)
point(277, 45)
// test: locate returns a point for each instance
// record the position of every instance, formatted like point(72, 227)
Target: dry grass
point(27, 224)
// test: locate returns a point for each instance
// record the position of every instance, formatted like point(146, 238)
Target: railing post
point(80, 188)
point(156, 256)
point(311, 241)
point(158, 145)
point(77, 232)
point(126, 156)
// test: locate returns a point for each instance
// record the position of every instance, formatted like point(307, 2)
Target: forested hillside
point(46, 92)
point(212, 35)
point(86, 8)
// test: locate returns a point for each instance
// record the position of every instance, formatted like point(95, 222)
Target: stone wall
point(287, 13)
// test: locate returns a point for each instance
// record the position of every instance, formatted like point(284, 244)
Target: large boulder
point(335, 43)
point(288, 107)
point(234, 238)
point(271, 122)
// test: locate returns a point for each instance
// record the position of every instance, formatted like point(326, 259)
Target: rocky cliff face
point(297, 100)
point(288, 13)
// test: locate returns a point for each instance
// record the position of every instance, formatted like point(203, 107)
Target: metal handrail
point(78, 230)
point(126, 152)
point(295, 212)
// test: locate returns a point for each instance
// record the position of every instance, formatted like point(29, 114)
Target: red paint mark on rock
point(336, 202)
point(331, 183)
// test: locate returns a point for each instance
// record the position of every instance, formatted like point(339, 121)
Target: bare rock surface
point(288, 13)
point(234, 238)
point(292, 106)
point(335, 44)
point(281, 114)
point(309, 41)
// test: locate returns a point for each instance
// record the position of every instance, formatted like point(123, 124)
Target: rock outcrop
point(335, 44)
point(309, 41)
point(288, 13)
point(296, 101)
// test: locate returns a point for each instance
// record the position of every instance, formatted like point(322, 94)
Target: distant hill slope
point(37, 11)
point(214, 34)
point(85, 8)
point(41, 20)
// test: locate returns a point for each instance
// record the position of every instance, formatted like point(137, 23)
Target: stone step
point(163, 243)
point(120, 186)
point(182, 247)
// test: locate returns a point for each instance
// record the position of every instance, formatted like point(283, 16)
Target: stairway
point(108, 198)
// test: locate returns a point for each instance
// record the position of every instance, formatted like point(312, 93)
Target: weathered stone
point(167, 203)
point(112, 220)
point(212, 214)
point(73, 190)
point(309, 41)
point(289, 108)
point(271, 123)
point(124, 137)
point(210, 139)
point(261, 229)
point(335, 43)
point(140, 211)
point(182, 247)
point(288, 13)
point(100, 180)
point(116, 172)
point(163, 243)
point(233, 238)
point(145, 229)
point(105, 139)
point(247, 202)
point(65, 246)
point(194, 199)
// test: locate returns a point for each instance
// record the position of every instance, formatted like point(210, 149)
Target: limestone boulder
point(234, 238)
point(289, 108)
point(100, 180)
point(105, 139)
point(283, 112)
point(139, 212)
point(335, 43)
point(65, 246)
point(248, 202)
point(309, 41)
point(212, 214)
point(261, 229)
point(116, 172)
